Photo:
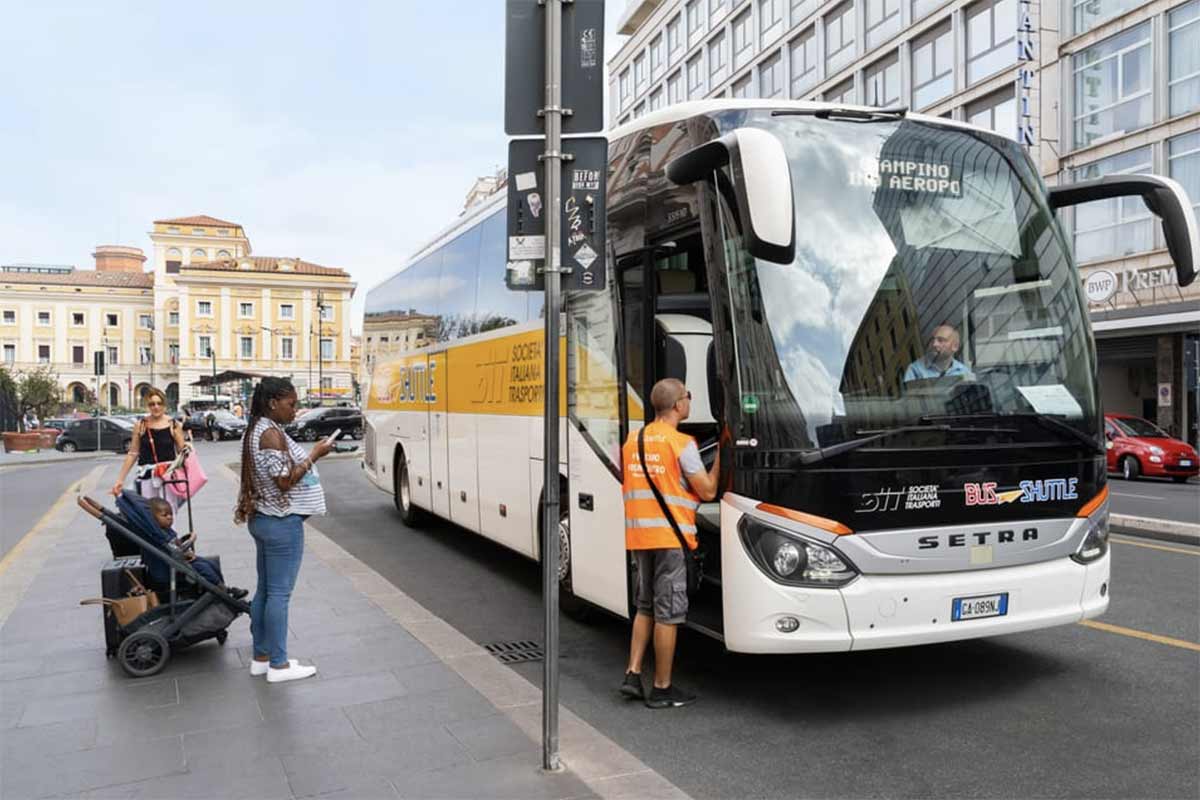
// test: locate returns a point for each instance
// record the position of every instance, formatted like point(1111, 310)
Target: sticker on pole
point(750, 403)
point(584, 256)
point(522, 248)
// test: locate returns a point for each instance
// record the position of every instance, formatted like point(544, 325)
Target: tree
point(38, 391)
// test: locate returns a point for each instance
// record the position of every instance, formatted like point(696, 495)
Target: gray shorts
point(661, 584)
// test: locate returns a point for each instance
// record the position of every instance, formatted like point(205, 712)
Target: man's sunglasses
point(686, 396)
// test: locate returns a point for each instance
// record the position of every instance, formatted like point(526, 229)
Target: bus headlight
point(1095, 541)
point(791, 559)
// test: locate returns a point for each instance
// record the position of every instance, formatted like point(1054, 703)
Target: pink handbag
point(191, 470)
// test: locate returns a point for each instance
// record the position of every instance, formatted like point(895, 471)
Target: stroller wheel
point(144, 653)
point(221, 637)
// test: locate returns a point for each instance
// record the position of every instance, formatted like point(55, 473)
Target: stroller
point(194, 612)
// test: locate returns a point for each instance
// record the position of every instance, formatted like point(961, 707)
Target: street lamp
point(320, 351)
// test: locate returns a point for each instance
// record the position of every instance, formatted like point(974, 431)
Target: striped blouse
point(306, 497)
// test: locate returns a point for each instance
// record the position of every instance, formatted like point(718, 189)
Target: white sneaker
point(261, 667)
point(294, 671)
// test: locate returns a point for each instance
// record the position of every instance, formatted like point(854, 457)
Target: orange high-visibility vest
point(645, 526)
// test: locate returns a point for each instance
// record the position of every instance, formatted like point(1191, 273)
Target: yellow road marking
point(1150, 637)
point(67, 497)
point(1149, 546)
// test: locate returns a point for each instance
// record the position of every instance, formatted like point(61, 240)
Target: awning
point(227, 376)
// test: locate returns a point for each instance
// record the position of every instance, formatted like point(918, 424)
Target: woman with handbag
point(157, 439)
point(280, 488)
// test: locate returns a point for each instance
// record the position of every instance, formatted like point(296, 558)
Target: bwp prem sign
point(1026, 57)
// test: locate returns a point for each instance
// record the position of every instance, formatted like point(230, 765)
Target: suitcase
point(115, 584)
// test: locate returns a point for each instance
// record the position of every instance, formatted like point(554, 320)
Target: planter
point(47, 437)
point(20, 442)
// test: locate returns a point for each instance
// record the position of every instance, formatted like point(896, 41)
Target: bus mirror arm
point(1164, 197)
point(762, 181)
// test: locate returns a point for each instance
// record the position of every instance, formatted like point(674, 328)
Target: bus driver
point(939, 360)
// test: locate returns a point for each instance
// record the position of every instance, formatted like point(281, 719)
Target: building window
point(10, 354)
point(923, 8)
point(197, 231)
point(996, 112)
point(113, 353)
point(743, 87)
point(112, 320)
point(770, 20)
point(145, 322)
point(204, 346)
point(173, 266)
point(1114, 86)
point(43, 318)
point(842, 94)
point(716, 8)
point(172, 229)
point(1184, 165)
point(78, 319)
point(640, 76)
point(625, 88)
point(198, 253)
point(173, 352)
point(287, 311)
point(839, 38)
point(247, 346)
point(656, 99)
point(173, 252)
point(203, 308)
point(695, 78)
point(743, 39)
point(695, 21)
point(1090, 13)
point(245, 310)
point(991, 38)
point(43, 354)
point(173, 318)
point(933, 66)
point(658, 57)
point(802, 9)
point(675, 92)
point(144, 354)
point(224, 254)
point(77, 354)
point(883, 82)
point(10, 316)
point(770, 77)
point(223, 231)
point(327, 349)
point(883, 21)
point(675, 38)
point(716, 59)
point(1116, 227)
point(287, 348)
point(326, 382)
point(326, 313)
point(1184, 50)
point(803, 53)
point(639, 110)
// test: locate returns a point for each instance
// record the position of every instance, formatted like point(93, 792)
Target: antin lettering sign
point(1026, 57)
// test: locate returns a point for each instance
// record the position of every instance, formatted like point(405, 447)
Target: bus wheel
point(570, 604)
point(409, 514)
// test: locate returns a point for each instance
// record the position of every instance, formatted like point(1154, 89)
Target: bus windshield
point(931, 288)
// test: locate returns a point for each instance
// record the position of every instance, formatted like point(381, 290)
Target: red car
point(1137, 447)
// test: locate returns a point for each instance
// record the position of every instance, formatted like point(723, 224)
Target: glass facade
point(1114, 84)
point(933, 66)
point(803, 54)
point(991, 38)
point(743, 39)
point(1184, 48)
point(883, 82)
point(1090, 13)
point(1183, 164)
point(842, 93)
point(770, 77)
point(883, 21)
point(718, 59)
point(1117, 227)
point(996, 111)
point(770, 20)
point(839, 37)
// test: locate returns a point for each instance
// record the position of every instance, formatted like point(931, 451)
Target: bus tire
point(568, 602)
point(410, 515)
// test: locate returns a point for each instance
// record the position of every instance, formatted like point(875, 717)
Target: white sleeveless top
point(306, 497)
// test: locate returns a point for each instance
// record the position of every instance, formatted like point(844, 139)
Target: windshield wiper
point(1046, 421)
point(850, 114)
point(868, 436)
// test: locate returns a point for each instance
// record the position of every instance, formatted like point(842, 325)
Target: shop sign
point(1100, 285)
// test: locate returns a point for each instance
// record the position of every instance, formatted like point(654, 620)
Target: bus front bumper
point(876, 611)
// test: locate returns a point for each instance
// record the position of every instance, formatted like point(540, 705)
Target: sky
point(346, 134)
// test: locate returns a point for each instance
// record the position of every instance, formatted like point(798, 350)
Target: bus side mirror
point(1164, 197)
point(762, 184)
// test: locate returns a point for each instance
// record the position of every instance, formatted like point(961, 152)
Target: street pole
point(320, 354)
point(212, 351)
point(308, 394)
point(107, 388)
point(552, 117)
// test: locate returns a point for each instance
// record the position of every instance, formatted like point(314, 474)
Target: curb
point(1166, 530)
point(40, 459)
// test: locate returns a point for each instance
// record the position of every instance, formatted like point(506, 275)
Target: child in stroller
point(164, 517)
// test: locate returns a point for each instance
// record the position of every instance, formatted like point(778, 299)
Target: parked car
point(323, 421)
point(225, 424)
point(115, 434)
point(58, 423)
point(1139, 447)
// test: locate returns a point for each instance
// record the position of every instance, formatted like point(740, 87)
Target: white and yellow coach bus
point(884, 332)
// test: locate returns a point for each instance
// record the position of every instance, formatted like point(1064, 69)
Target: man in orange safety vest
point(673, 463)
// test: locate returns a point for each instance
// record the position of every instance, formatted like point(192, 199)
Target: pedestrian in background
point(280, 488)
point(673, 462)
point(157, 439)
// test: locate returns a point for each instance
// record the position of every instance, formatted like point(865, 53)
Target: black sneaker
point(631, 687)
point(670, 697)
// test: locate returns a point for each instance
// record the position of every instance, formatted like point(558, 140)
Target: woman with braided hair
point(280, 488)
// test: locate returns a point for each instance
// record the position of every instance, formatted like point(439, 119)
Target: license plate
point(1185, 462)
point(987, 605)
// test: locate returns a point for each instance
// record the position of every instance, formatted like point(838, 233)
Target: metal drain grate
point(515, 652)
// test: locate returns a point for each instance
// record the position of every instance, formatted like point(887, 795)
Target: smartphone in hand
point(333, 437)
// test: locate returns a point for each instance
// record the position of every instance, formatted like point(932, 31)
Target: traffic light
point(98, 362)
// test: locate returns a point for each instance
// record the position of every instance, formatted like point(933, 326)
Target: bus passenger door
point(439, 453)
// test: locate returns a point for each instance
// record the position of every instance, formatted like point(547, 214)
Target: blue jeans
point(280, 545)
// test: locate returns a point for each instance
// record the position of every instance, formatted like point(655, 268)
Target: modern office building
point(1089, 87)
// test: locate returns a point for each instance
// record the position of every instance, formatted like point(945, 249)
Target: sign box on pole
point(526, 216)
point(525, 67)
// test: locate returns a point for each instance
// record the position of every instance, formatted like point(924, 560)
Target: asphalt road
point(27, 492)
point(1073, 711)
point(1160, 498)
